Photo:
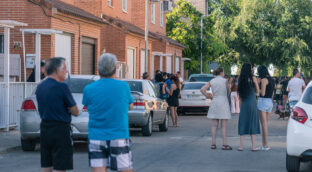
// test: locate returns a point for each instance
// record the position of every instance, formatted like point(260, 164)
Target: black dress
point(173, 100)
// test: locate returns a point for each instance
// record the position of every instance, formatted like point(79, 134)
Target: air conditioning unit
point(168, 5)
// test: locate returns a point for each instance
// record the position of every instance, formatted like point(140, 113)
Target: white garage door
point(131, 63)
point(142, 63)
point(168, 64)
point(177, 64)
point(63, 48)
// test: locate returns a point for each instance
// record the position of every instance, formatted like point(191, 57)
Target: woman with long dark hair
point(248, 123)
point(219, 109)
point(173, 100)
point(265, 103)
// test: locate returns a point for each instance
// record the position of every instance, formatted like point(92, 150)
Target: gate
point(18, 92)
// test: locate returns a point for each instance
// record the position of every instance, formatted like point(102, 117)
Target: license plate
point(192, 96)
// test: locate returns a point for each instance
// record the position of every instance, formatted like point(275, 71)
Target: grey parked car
point(147, 108)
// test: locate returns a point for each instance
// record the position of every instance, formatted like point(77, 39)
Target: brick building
point(79, 43)
point(91, 27)
point(124, 36)
point(201, 5)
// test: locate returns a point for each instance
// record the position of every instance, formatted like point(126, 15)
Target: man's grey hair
point(107, 65)
point(54, 64)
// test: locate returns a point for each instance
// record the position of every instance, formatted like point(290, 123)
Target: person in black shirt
point(265, 103)
point(158, 77)
point(56, 105)
point(32, 76)
point(284, 91)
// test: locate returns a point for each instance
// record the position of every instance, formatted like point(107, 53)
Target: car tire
point(164, 126)
point(148, 128)
point(292, 163)
point(28, 145)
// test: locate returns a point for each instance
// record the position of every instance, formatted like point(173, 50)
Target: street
point(182, 149)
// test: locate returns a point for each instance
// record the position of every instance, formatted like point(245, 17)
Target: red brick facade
point(109, 34)
point(32, 14)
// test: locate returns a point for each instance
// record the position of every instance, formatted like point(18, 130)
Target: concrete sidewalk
point(9, 141)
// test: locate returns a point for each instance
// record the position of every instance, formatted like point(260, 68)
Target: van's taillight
point(299, 115)
point(28, 105)
point(84, 109)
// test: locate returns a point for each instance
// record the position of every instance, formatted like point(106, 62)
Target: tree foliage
point(255, 31)
point(183, 25)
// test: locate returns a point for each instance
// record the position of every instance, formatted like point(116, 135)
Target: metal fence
point(18, 92)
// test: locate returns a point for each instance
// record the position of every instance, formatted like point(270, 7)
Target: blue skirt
point(248, 123)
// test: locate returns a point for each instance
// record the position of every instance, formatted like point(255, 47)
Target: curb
point(10, 149)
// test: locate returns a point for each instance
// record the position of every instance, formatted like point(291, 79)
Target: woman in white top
point(219, 108)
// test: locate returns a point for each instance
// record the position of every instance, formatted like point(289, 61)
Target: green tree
point(183, 25)
point(266, 31)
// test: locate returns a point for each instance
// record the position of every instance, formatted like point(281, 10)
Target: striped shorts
point(113, 154)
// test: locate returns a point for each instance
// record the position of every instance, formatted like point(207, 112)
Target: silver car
point(140, 116)
point(148, 108)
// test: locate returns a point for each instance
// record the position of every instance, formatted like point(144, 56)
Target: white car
point(192, 100)
point(299, 132)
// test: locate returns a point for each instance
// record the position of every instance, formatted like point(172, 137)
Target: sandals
point(240, 149)
point(213, 147)
point(255, 150)
point(226, 147)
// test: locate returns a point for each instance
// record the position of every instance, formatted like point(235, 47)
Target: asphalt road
point(182, 149)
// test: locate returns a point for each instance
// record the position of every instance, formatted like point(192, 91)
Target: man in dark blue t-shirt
point(56, 105)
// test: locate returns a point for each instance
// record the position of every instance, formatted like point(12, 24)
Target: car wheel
point(28, 145)
point(164, 126)
point(147, 129)
point(292, 163)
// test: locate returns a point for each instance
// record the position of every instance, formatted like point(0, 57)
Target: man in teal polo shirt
point(108, 102)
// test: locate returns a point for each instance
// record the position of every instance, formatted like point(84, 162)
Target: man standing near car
point(56, 105)
point(295, 87)
point(108, 102)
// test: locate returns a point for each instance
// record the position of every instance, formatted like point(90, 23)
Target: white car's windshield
point(201, 79)
point(77, 85)
point(307, 97)
point(196, 86)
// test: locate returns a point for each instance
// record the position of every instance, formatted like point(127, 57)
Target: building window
point(1, 44)
point(153, 13)
point(161, 13)
point(124, 5)
point(110, 3)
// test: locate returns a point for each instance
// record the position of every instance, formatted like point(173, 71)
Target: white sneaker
point(265, 148)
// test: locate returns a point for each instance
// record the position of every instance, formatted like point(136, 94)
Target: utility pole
point(146, 33)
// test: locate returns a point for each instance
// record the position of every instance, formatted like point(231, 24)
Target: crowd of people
point(109, 145)
point(170, 86)
point(252, 98)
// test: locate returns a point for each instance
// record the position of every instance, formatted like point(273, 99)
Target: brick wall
point(77, 27)
point(138, 42)
point(97, 7)
point(174, 51)
point(138, 16)
point(113, 41)
point(26, 12)
point(200, 5)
